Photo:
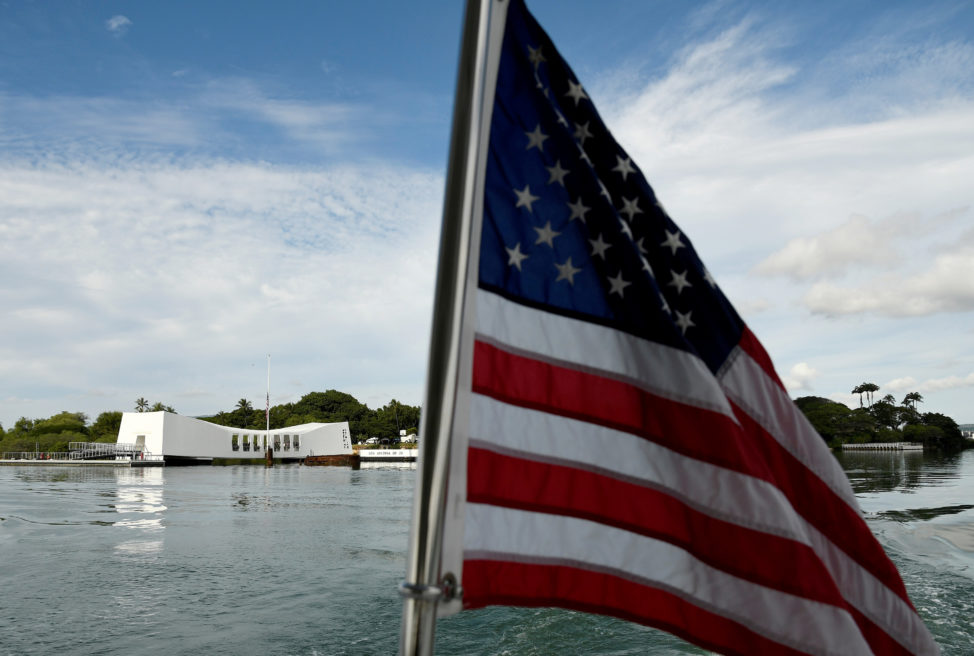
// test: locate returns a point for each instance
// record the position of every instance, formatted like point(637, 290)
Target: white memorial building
point(179, 438)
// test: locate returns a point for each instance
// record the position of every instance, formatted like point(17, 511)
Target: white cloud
point(751, 306)
point(323, 124)
point(70, 123)
point(158, 266)
point(209, 117)
point(910, 384)
point(118, 25)
point(800, 377)
point(946, 286)
point(833, 252)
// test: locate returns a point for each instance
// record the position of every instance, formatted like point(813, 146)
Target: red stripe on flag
point(879, 640)
point(489, 582)
point(749, 344)
point(784, 564)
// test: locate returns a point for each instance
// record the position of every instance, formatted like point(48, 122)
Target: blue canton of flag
point(571, 223)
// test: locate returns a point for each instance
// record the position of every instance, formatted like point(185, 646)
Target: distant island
point(56, 432)
point(881, 420)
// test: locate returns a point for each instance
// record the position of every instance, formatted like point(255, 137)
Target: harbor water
point(305, 561)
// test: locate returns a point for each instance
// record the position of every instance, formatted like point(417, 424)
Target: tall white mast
point(267, 410)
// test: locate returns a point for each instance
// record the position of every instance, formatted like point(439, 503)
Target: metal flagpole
point(423, 588)
point(267, 408)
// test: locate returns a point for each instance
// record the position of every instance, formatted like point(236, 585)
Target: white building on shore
point(178, 438)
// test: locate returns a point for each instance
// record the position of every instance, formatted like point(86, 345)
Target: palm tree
point(141, 404)
point(911, 400)
point(245, 405)
point(858, 390)
point(869, 388)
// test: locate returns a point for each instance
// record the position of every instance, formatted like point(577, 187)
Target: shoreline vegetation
point(882, 420)
point(54, 433)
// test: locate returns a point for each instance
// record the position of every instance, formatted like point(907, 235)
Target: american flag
point(630, 449)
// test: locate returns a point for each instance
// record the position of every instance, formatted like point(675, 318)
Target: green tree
point(885, 412)
point(836, 423)
point(158, 406)
point(859, 390)
point(826, 416)
point(51, 434)
point(951, 437)
point(105, 428)
point(22, 426)
point(932, 437)
point(141, 404)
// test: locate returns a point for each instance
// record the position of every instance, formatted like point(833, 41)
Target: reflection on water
point(922, 513)
point(872, 471)
point(904, 480)
point(140, 502)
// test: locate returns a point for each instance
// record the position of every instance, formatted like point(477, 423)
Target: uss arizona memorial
point(178, 438)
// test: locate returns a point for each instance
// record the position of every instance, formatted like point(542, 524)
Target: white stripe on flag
point(662, 370)
point(496, 533)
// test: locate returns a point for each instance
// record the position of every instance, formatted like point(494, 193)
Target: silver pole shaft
point(419, 615)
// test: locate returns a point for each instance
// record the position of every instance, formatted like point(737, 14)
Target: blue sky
point(186, 187)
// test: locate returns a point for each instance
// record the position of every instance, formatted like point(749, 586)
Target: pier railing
point(87, 451)
point(35, 455)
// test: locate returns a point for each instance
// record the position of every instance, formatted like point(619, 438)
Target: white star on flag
point(624, 166)
point(524, 197)
point(630, 207)
point(546, 235)
point(515, 256)
point(576, 92)
point(578, 209)
point(566, 271)
point(679, 281)
point(536, 138)
point(673, 241)
point(556, 173)
point(599, 247)
point(618, 285)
